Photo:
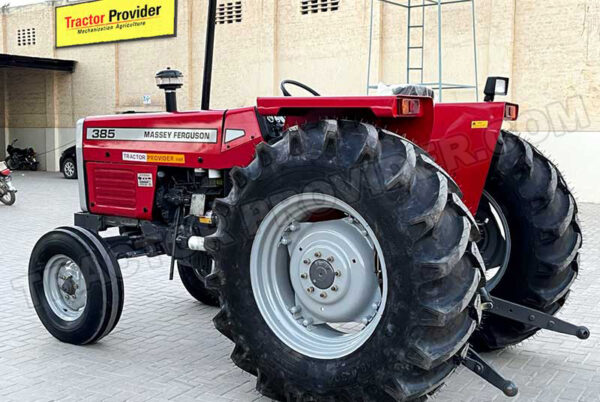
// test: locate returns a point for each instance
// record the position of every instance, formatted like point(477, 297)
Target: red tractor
point(359, 248)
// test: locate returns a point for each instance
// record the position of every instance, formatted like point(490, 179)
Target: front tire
point(75, 285)
point(345, 183)
point(544, 235)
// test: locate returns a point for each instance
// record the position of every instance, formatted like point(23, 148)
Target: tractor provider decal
point(114, 20)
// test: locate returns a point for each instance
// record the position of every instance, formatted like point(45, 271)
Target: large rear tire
point(75, 285)
point(544, 237)
point(321, 188)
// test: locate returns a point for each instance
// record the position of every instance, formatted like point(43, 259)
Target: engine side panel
point(122, 153)
point(125, 190)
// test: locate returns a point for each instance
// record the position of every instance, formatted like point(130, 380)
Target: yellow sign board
point(104, 21)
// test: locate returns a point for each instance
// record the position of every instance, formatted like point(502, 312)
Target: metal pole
point(440, 48)
point(422, 40)
point(408, 44)
point(370, 49)
point(208, 53)
point(475, 50)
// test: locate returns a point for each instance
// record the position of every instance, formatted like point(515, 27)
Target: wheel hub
point(341, 284)
point(322, 274)
point(65, 288)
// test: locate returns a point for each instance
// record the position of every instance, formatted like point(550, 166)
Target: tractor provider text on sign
point(114, 20)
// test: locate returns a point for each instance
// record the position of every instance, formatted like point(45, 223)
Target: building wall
point(550, 49)
point(2, 114)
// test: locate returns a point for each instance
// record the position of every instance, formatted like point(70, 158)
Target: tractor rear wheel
point(193, 278)
point(531, 239)
point(346, 267)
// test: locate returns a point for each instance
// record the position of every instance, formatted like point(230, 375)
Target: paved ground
point(165, 347)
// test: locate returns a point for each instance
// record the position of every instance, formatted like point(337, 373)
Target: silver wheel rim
point(65, 288)
point(69, 169)
point(320, 286)
point(496, 222)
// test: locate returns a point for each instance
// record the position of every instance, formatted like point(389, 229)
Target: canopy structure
point(41, 63)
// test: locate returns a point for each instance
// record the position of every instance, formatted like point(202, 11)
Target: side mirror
point(495, 86)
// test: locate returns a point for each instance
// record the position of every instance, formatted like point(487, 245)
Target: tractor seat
point(416, 90)
point(406, 89)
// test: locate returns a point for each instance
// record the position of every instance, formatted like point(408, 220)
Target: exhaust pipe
point(170, 81)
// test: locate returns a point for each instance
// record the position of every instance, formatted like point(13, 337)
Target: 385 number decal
point(103, 133)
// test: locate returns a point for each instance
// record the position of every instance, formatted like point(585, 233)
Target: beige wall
point(550, 49)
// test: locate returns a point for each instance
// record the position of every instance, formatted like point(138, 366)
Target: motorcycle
point(7, 190)
point(21, 158)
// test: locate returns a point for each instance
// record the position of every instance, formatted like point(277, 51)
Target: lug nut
point(310, 289)
point(285, 241)
point(364, 321)
point(303, 275)
point(338, 273)
point(330, 259)
point(334, 288)
point(306, 261)
point(293, 227)
point(295, 309)
point(323, 295)
point(374, 306)
point(307, 322)
point(318, 254)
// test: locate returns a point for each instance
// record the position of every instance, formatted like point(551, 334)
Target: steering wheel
point(298, 84)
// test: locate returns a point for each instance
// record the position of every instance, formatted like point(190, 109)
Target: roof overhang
point(41, 63)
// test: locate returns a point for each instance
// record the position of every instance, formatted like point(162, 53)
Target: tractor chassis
point(145, 238)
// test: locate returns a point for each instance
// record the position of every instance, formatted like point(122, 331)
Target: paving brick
point(165, 346)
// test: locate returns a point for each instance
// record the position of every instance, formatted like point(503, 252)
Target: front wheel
point(75, 285)
point(8, 198)
point(345, 266)
point(530, 239)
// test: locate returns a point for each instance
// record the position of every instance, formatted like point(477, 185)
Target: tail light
point(410, 107)
point(5, 172)
point(511, 111)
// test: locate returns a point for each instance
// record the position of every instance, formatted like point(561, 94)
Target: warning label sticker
point(144, 179)
point(479, 124)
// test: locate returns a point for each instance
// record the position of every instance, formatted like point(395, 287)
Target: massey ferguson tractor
point(359, 248)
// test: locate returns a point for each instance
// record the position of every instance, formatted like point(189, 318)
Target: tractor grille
point(114, 187)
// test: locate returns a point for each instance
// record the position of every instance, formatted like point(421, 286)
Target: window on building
point(229, 12)
point(319, 6)
point(26, 37)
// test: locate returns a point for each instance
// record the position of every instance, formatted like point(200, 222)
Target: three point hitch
point(516, 312)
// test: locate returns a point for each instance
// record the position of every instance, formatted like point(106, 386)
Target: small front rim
point(69, 169)
point(319, 283)
point(495, 243)
point(65, 288)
